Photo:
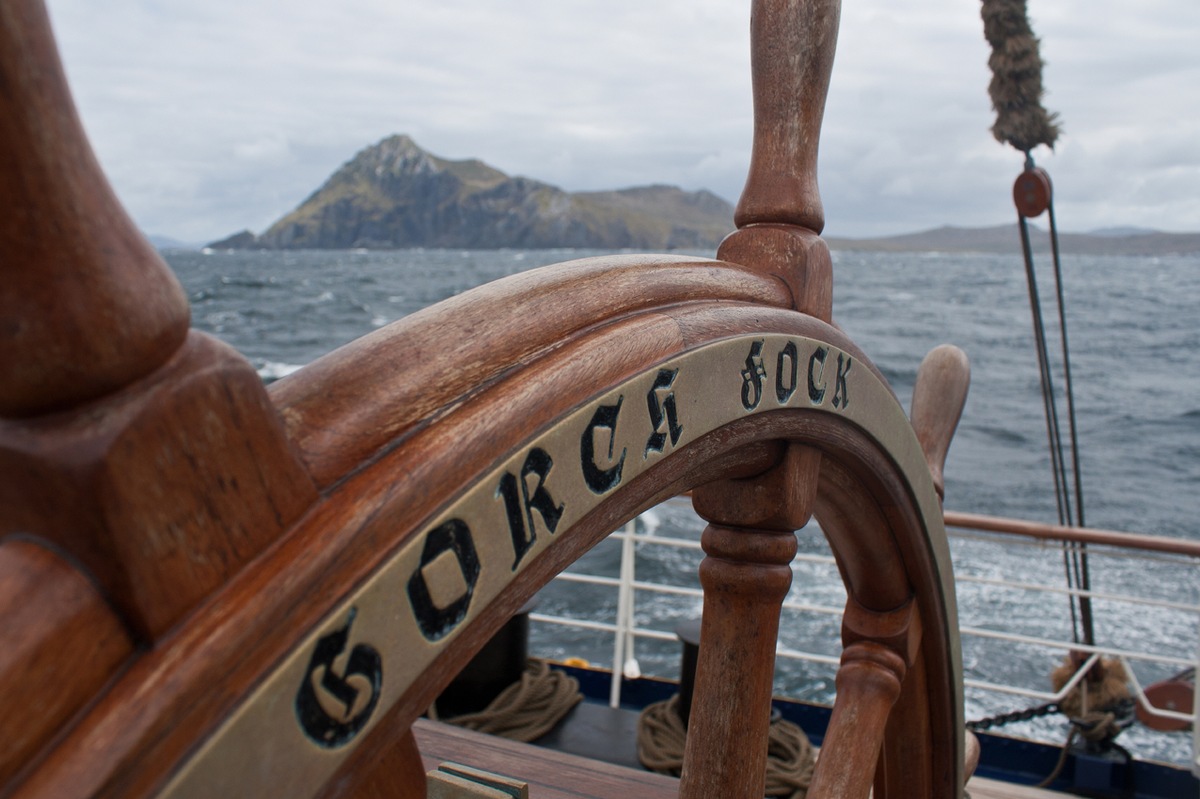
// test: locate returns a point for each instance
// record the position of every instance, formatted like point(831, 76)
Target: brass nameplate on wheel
point(309, 713)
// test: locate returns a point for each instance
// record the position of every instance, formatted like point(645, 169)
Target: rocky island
point(394, 194)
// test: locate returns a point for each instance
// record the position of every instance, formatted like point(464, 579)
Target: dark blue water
point(1135, 353)
point(1132, 324)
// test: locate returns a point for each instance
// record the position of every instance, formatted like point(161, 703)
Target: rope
point(790, 755)
point(1099, 708)
point(1075, 562)
point(1079, 551)
point(661, 737)
point(1062, 759)
point(1099, 728)
point(1016, 87)
point(1105, 689)
point(527, 709)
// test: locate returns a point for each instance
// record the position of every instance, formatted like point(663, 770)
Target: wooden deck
point(556, 775)
point(980, 788)
point(550, 774)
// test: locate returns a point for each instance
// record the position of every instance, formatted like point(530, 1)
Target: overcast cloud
point(216, 116)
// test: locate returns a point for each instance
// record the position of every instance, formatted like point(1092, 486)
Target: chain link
point(1000, 720)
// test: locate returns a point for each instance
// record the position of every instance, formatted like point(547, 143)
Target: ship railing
point(633, 594)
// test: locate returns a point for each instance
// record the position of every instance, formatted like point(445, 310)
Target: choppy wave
point(271, 371)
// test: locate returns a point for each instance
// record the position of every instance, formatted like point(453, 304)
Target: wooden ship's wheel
point(212, 588)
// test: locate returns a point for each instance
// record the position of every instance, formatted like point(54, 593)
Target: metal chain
point(1000, 720)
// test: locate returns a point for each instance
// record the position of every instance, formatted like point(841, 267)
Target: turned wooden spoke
point(939, 395)
point(868, 684)
point(87, 306)
point(880, 649)
point(150, 454)
point(791, 59)
point(745, 578)
point(746, 574)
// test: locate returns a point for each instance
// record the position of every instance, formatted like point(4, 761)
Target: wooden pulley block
point(1032, 192)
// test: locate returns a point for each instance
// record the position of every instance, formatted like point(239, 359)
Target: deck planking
point(550, 774)
point(981, 788)
point(558, 775)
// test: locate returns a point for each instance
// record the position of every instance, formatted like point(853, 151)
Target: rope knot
point(1100, 706)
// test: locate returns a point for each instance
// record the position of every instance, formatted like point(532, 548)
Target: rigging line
point(1085, 602)
point(1049, 405)
point(1049, 397)
point(1084, 575)
point(1054, 436)
point(1066, 355)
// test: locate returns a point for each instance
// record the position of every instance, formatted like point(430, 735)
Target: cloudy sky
point(222, 115)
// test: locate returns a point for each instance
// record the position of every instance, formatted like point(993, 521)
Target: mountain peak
point(395, 194)
point(397, 154)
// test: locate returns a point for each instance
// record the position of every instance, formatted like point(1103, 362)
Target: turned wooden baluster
point(881, 626)
point(939, 396)
point(749, 545)
point(750, 540)
point(87, 306)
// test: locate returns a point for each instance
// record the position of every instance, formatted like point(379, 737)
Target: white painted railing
point(1140, 650)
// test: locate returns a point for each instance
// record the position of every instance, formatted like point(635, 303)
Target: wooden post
point(868, 684)
point(779, 216)
point(791, 58)
point(151, 455)
point(880, 647)
point(939, 395)
point(87, 304)
point(750, 540)
point(745, 576)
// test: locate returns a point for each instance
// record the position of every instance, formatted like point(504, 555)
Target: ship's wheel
point(268, 587)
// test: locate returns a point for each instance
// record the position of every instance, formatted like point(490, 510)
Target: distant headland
point(1006, 239)
point(395, 195)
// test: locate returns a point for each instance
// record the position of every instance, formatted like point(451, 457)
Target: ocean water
point(1135, 353)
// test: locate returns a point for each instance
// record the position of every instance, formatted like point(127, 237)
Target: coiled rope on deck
point(527, 709)
point(790, 755)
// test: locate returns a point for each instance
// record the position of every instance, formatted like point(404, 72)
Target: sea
point(1134, 349)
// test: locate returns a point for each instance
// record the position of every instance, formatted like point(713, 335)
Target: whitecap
point(651, 521)
point(271, 371)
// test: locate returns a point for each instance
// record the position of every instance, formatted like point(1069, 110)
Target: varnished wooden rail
point(1081, 535)
point(251, 591)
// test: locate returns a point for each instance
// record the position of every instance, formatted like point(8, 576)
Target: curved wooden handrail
point(422, 362)
point(365, 524)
